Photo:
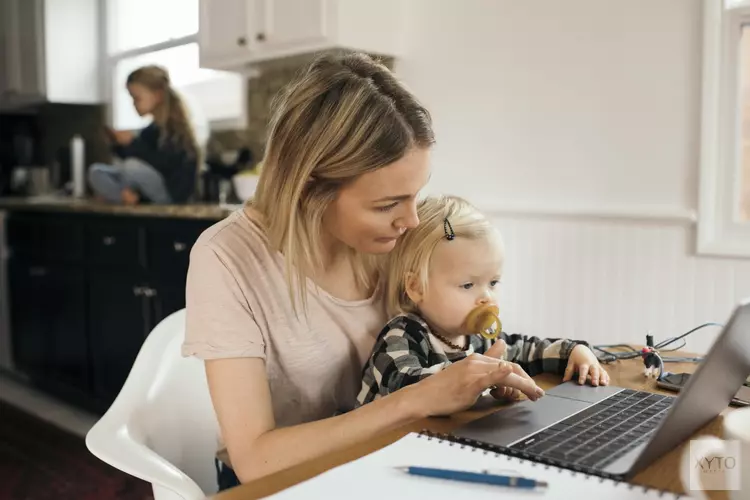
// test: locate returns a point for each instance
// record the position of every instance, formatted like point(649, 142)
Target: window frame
point(109, 63)
point(720, 232)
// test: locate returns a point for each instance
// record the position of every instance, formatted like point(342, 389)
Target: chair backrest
point(162, 426)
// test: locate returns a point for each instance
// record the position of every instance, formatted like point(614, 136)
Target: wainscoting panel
point(614, 280)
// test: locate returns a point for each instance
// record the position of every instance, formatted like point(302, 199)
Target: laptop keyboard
point(602, 433)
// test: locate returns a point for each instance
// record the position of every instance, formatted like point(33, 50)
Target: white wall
point(584, 112)
point(585, 103)
point(612, 281)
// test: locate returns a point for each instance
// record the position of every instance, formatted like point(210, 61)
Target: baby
point(441, 287)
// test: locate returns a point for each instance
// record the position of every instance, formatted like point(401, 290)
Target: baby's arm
point(537, 355)
point(399, 359)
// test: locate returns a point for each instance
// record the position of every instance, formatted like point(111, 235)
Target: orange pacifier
point(484, 320)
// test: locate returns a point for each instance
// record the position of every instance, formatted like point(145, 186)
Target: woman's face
point(145, 100)
point(372, 212)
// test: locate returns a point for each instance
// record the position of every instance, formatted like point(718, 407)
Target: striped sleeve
point(399, 359)
point(537, 355)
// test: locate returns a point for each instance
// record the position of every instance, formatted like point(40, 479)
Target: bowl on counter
point(245, 185)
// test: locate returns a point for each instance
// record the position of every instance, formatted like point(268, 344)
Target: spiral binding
point(546, 464)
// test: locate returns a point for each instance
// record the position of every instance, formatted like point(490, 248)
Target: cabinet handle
point(138, 291)
point(37, 271)
point(179, 246)
point(109, 241)
point(261, 37)
point(242, 41)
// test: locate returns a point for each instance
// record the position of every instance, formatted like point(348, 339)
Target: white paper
point(375, 477)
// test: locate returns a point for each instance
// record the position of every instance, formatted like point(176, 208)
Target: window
point(135, 39)
point(724, 222)
point(744, 194)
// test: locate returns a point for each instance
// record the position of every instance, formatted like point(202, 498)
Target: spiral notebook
point(375, 477)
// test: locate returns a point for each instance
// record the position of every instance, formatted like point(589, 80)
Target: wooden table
point(662, 474)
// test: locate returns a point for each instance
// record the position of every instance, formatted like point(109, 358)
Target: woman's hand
point(503, 393)
point(459, 386)
point(583, 361)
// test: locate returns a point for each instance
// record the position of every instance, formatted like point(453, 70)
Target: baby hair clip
point(449, 234)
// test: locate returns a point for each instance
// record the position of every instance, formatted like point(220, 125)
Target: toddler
point(441, 286)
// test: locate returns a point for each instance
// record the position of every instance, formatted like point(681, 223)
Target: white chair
point(162, 427)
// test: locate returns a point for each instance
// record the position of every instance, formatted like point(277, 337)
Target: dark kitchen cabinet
point(167, 298)
point(118, 322)
point(123, 311)
point(29, 327)
point(86, 290)
point(48, 310)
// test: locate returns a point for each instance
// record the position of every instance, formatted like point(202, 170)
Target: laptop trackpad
point(511, 424)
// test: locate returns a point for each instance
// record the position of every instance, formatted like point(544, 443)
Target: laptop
point(612, 431)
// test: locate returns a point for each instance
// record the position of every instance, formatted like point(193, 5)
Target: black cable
point(665, 343)
point(631, 352)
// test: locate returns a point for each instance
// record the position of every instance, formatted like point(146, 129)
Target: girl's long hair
point(170, 114)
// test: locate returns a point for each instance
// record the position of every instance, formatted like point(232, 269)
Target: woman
point(282, 297)
point(160, 163)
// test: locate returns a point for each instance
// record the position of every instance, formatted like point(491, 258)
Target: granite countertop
point(206, 211)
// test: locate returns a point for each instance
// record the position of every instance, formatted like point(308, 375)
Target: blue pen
point(475, 477)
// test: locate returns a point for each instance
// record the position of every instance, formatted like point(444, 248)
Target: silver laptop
point(612, 431)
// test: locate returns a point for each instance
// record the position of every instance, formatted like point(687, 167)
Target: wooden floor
point(39, 460)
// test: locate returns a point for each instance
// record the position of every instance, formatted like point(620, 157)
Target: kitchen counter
point(200, 211)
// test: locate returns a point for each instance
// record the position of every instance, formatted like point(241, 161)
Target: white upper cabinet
point(224, 30)
point(289, 24)
point(237, 33)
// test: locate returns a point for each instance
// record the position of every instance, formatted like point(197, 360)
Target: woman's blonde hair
point(343, 117)
point(170, 114)
point(440, 218)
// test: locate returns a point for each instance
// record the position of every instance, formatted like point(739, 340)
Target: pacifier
point(484, 320)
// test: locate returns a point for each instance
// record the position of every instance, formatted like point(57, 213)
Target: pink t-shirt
point(238, 305)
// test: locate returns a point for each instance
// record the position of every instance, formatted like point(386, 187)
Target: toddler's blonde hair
point(413, 252)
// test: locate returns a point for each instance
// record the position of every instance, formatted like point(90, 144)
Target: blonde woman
point(282, 296)
point(438, 274)
point(160, 163)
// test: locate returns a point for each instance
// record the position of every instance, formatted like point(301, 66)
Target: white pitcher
point(731, 456)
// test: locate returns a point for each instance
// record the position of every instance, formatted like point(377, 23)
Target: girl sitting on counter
point(159, 164)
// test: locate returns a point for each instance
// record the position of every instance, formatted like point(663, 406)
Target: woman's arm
point(242, 400)
point(398, 359)
point(241, 397)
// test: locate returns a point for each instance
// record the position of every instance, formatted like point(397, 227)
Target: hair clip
point(449, 234)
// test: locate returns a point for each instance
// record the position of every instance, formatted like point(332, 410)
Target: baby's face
point(463, 274)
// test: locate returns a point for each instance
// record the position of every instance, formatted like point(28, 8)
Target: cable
point(661, 345)
point(631, 352)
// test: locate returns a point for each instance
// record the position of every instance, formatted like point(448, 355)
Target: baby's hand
point(497, 350)
point(583, 361)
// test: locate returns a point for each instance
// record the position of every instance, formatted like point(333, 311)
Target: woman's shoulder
point(238, 239)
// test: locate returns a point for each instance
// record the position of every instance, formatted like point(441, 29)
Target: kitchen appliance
point(216, 180)
point(19, 152)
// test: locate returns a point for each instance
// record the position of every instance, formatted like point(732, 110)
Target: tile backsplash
point(273, 77)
